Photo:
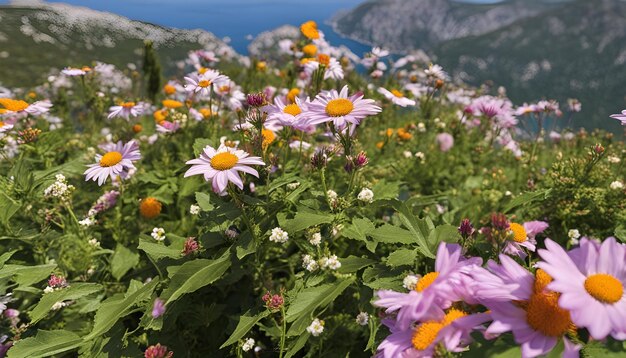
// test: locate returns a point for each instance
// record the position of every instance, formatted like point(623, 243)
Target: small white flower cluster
point(366, 195)
point(309, 263)
point(410, 281)
point(194, 209)
point(332, 197)
point(316, 327)
point(316, 239)
point(88, 221)
point(616, 185)
point(279, 235)
point(59, 189)
point(613, 159)
point(58, 305)
point(420, 156)
point(362, 318)
point(248, 344)
point(158, 234)
point(573, 235)
point(293, 186)
point(95, 243)
point(330, 262)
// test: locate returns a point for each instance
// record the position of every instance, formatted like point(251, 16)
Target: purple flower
point(445, 141)
point(57, 281)
point(466, 229)
point(256, 99)
point(157, 351)
point(620, 117)
point(158, 308)
point(191, 246)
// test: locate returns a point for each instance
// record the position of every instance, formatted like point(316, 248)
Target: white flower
point(617, 185)
point(362, 318)
point(88, 221)
point(248, 344)
point(59, 189)
point(331, 262)
point(332, 195)
point(366, 195)
point(158, 234)
point(420, 156)
point(410, 281)
point(316, 239)
point(407, 154)
point(309, 263)
point(573, 234)
point(279, 235)
point(57, 306)
point(48, 289)
point(437, 72)
point(194, 209)
point(95, 243)
point(316, 328)
point(613, 159)
point(293, 186)
point(421, 127)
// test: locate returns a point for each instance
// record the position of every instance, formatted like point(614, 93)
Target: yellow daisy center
point(150, 208)
point(1, 124)
point(110, 159)
point(542, 279)
point(225, 88)
point(169, 89)
point(426, 333)
point(519, 233)
point(224, 161)
point(202, 70)
point(292, 109)
point(397, 93)
point(604, 288)
point(268, 137)
point(323, 59)
point(204, 83)
point(426, 281)
point(13, 105)
point(339, 107)
point(205, 112)
point(128, 104)
point(543, 314)
point(86, 68)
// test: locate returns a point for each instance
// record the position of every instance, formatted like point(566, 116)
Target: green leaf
point(358, 230)
point(386, 190)
point(118, 306)
point(204, 201)
point(391, 234)
point(443, 233)
point(352, 264)
point(304, 220)
point(402, 257)
point(45, 344)
point(246, 322)
point(158, 251)
point(199, 144)
point(193, 275)
point(297, 345)
point(416, 226)
point(122, 261)
point(26, 275)
point(75, 291)
point(5, 257)
point(309, 299)
point(526, 199)
point(8, 208)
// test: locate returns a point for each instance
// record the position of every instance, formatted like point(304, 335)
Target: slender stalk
point(283, 332)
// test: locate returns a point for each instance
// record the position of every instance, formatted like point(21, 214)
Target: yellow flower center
point(292, 109)
point(543, 314)
point(323, 59)
point(268, 137)
point(128, 104)
point(426, 333)
point(110, 159)
point(397, 93)
point(86, 68)
point(205, 112)
point(542, 279)
point(293, 93)
point(339, 107)
point(1, 124)
point(204, 83)
point(150, 208)
point(13, 105)
point(519, 233)
point(169, 89)
point(202, 70)
point(225, 88)
point(170, 103)
point(224, 161)
point(426, 281)
point(604, 288)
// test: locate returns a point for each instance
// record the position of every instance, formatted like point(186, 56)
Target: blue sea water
point(235, 19)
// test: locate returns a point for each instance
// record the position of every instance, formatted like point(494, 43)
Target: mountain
point(574, 51)
point(401, 25)
point(36, 36)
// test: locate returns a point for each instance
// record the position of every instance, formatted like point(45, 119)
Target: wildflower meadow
point(309, 203)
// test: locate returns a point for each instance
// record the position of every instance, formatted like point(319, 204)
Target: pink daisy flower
point(6, 126)
point(222, 166)
point(524, 237)
point(620, 117)
point(289, 115)
point(342, 110)
point(396, 97)
point(202, 83)
point(167, 127)
point(591, 281)
point(520, 303)
point(117, 161)
point(434, 291)
point(126, 110)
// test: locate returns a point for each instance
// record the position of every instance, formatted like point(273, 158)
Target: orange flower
point(169, 89)
point(150, 208)
point(309, 30)
point(170, 103)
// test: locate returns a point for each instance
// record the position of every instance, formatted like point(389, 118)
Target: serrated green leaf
point(75, 291)
point(45, 344)
point(204, 201)
point(304, 220)
point(402, 257)
point(26, 275)
point(352, 264)
point(158, 251)
point(122, 261)
point(246, 322)
point(391, 234)
point(199, 144)
point(443, 233)
point(8, 208)
point(193, 275)
point(526, 199)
